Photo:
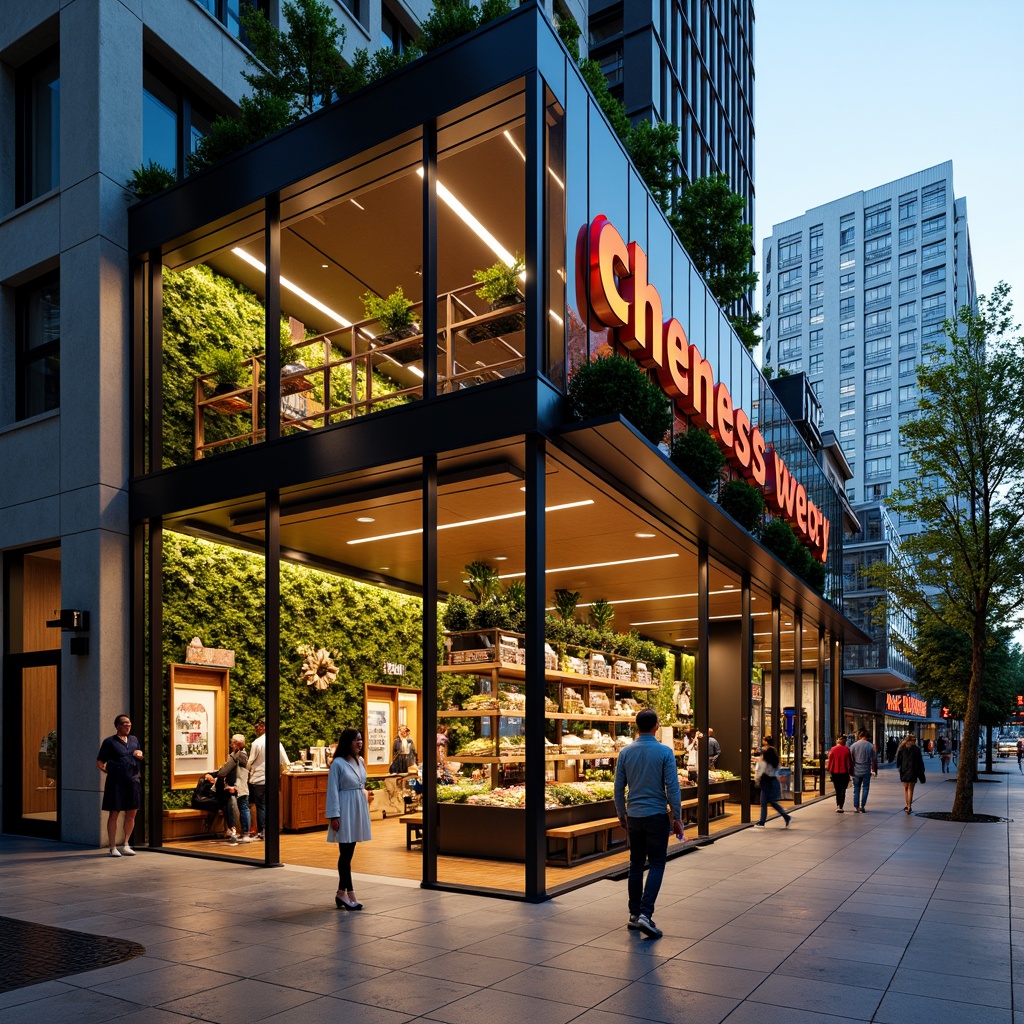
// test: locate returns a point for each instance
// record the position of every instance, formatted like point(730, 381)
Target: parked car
point(1007, 745)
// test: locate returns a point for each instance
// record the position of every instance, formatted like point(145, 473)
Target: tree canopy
point(965, 568)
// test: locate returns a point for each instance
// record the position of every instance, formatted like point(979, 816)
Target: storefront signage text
point(905, 704)
point(392, 668)
point(622, 298)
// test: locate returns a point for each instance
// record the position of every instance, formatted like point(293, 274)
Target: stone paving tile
point(323, 974)
point(224, 1005)
point(956, 989)
point(328, 1010)
point(671, 1005)
point(899, 1008)
point(816, 996)
point(833, 969)
point(488, 1006)
point(408, 993)
point(563, 986)
point(736, 982)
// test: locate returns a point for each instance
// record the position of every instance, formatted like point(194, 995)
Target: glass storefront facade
point(420, 445)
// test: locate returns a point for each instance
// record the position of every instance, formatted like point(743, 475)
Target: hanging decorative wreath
point(318, 667)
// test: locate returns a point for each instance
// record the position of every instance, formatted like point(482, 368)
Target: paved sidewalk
point(866, 917)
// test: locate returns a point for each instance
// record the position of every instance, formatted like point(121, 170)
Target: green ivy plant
point(565, 603)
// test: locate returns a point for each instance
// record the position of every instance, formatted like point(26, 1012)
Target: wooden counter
point(304, 800)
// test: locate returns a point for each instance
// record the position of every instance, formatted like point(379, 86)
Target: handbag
point(398, 765)
point(203, 797)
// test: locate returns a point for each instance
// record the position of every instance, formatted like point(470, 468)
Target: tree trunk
point(963, 802)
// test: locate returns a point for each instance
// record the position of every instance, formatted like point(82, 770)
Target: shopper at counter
point(258, 774)
point(348, 810)
point(646, 782)
point(840, 767)
point(403, 753)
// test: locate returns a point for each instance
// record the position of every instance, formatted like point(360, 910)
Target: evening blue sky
point(850, 95)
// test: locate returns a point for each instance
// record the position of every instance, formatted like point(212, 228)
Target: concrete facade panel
point(29, 522)
point(30, 240)
point(31, 470)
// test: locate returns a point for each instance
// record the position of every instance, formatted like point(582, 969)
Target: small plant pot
point(407, 354)
point(500, 325)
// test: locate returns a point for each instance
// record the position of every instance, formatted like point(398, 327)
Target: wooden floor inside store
point(386, 855)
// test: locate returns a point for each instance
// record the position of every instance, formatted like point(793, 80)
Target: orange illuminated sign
point(905, 704)
point(622, 298)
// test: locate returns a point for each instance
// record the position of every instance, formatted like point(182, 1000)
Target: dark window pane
point(159, 123)
point(39, 348)
point(38, 134)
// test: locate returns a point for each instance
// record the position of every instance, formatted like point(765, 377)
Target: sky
point(851, 95)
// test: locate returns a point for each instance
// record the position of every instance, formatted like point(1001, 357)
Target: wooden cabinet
point(303, 800)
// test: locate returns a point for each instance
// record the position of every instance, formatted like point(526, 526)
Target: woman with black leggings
point(348, 810)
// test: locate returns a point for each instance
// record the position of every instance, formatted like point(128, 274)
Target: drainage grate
point(31, 953)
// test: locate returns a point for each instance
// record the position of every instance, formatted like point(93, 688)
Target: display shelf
point(554, 716)
point(509, 670)
point(590, 755)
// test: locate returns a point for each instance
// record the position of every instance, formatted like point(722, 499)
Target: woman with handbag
point(910, 765)
point(348, 810)
point(766, 777)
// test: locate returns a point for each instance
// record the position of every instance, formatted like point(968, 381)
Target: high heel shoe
point(354, 904)
point(342, 903)
point(907, 809)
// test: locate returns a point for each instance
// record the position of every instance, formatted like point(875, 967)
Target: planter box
point(499, 833)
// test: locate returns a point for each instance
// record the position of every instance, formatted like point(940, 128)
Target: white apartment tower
point(855, 293)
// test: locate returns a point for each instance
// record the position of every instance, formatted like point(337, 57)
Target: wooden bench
point(186, 823)
point(413, 829)
point(716, 807)
point(604, 836)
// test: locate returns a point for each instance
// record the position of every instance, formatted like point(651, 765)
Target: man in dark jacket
point(647, 782)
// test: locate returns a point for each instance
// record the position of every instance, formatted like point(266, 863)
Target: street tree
point(941, 655)
point(965, 568)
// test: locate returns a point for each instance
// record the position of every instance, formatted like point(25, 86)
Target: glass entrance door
point(32, 746)
point(31, 693)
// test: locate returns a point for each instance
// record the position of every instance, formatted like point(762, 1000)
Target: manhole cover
point(31, 953)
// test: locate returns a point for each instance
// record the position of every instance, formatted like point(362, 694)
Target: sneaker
point(863, 810)
point(245, 839)
point(632, 923)
point(127, 851)
point(648, 927)
point(232, 840)
point(259, 835)
point(839, 810)
point(789, 821)
point(758, 824)
point(231, 834)
point(114, 852)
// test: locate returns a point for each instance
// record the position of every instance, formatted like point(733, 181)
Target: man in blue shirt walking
point(646, 782)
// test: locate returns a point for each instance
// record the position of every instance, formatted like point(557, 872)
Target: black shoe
point(648, 927)
point(632, 923)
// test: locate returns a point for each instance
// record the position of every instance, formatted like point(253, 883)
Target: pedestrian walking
point(646, 782)
point(910, 765)
point(840, 766)
point(865, 764)
point(766, 777)
point(1020, 755)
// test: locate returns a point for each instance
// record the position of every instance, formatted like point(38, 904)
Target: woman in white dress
point(348, 810)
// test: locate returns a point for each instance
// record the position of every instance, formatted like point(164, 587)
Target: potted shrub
point(227, 369)
point(697, 454)
point(396, 317)
point(612, 384)
point(744, 502)
point(499, 288)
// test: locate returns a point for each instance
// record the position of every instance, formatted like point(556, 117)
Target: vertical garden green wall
point(216, 592)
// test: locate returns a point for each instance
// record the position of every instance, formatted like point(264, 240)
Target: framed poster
point(198, 713)
point(380, 726)
point(378, 732)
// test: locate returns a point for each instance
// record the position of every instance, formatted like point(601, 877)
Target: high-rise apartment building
point(854, 293)
point(689, 63)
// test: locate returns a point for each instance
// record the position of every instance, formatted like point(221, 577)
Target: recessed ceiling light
point(501, 558)
point(644, 536)
point(730, 586)
point(366, 519)
point(384, 568)
point(324, 265)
